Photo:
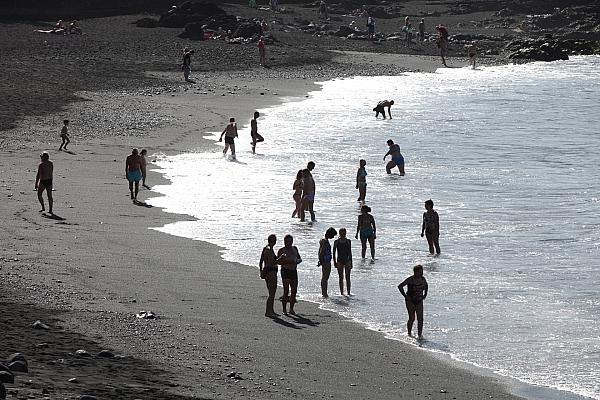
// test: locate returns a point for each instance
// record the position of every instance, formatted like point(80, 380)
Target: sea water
point(509, 155)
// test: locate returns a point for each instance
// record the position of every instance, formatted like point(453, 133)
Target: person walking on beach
point(397, 158)
point(298, 185)
point(186, 65)
point(256, 137)
point(133, 172)
point(361, 181)
point(342, 259)
point(325, 257)
point(64, 135)
point(422, 30)
point(370, 27)
point(230, 133)
point(431, 227)
point(380, 108)
point(367, 230)
point(323, 9)
point(289, 258)
point(442, 42)
point(308, 195)
point(43, 181)
point(413, 298)
point(472, 53)
point(268, 272)
point(143, 167)
point(262, 51)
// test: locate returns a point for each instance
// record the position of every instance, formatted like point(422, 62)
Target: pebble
point(6, 377)
point(18, 366)
point(40, 325)
point(106, 354)
point(16, 357)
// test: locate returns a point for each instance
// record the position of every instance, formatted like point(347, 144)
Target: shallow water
point(510, 157)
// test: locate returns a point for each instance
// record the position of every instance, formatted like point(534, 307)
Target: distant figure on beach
point(133, 172)
point(64, 135)
point(186, 65)
point(43, 181)
point(413, 298)
point(442, 42)
point(422, 30)
point(431, 227)
point(59, 29)
point(74, 28)
point(472, 53)
point(397, 158)
point(342, 259)
point(256, 137)
point(298, 185)
point(325, 257)
point(323, 9)
point(143, 167)
point(262, 51)
point(289, 258)
point(268, 272)
point(380, 108)
point(370, 27)
point(274, 5)
point(367, 230)
point(230, 133)
point(408, 35)
point(308, 195)
point(361, 181)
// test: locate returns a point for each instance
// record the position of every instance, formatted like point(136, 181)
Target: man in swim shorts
point(397, 158)
point(133, 172)
point(43, 181)
point(380, 108)
point(308, 194)
point(256, 137)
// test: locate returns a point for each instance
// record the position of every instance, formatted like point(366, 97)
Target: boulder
point(146, 23)
point(16, 357)
point(5, 368)
point(344, 31)
point(248, 30)
point(106, 354)
point(193, 30)
point(18, 366)
point(6, 377)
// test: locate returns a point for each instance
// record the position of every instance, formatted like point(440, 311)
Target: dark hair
point(144, 151)
point(331, 232)
point(417, 267)
point(390, 142)
point(45, 155)
point(310, 165)
point(288, 237)
point(256, 114)
point(342, 230)
point(272, 238)
point(231, 119)
point(66, 121)
point(429, 203)
point(361, 161)
point(300, 173)
point(365, 208)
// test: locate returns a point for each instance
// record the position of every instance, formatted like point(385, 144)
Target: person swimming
point(367, 230)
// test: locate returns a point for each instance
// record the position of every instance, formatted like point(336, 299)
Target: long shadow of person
point(287, 324)
point(303, 320)
point(141, 204)
point(52, 216)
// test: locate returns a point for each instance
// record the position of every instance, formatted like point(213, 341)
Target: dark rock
point(82, 353)
point(6, 377)
point(40, 325)
point(226, 22)
point(146, 23)
point(248, 30)
point(344, 31)
point(16, 357)
point(18, 366)
point(189, 11)
point(5, 368)
point(106, 354)
point(2, 391)
point(193, 30)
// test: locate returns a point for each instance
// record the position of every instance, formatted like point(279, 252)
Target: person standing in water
point(325, 257)
point(431, 227)
point(43, 181)
point(342, 259)
point(268, 272)
point(256, 138)
point(472, 53)
point(413, 298)
point(361, 181)
point(308, 195)
point(230, 133)
point(298, 185)
point(397, 158)
point(367, 230)
point(289, 258)
point(133, 172)
point(380, 108)
point(143, 166)
point(64, 135)
point(186, 64)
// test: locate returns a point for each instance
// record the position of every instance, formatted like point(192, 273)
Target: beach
point(87, 272)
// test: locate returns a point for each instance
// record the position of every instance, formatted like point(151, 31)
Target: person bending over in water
point(308, 195)
point(268, 272)
point(256, 138)
point(43, 181)
point(361, 181)
point(289, 258)
point(64, 135)
point(397, 158)
point(133, 172)
point(367, 230)
point(298, 185)
point(325, 257)
point(431, 227)
point(342, 259)
point(230, 133)
point(380, 108)
point(413, 298)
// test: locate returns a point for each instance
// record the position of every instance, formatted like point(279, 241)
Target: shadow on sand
point(52, 216)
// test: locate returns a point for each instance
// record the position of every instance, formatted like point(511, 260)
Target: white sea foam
point(510, 157)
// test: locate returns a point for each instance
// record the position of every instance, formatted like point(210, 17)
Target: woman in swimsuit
point(289, 258)
point(298, 185)
point(367, 230)
point(413, 298)
point(325, 257)
point(269, 273)
point(361, 181)
point(342, 259)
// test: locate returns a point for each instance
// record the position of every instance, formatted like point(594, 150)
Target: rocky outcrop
point(549, 49)
point(187, 12)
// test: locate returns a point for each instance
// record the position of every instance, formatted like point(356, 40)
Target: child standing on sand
point(64, 135)
point(413, 298)
point(431, 227)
